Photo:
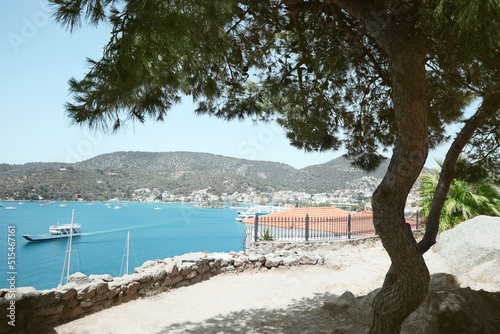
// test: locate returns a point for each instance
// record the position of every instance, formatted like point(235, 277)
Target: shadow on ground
point(324, 313)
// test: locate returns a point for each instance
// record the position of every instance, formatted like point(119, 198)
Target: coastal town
point(353, 199)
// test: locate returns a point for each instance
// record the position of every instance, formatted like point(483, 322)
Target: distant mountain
point(178, 172)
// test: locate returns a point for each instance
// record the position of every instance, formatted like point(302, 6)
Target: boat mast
point(128, 248)
point(68, 249)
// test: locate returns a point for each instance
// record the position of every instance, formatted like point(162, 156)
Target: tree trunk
point(407, 281)
point(489, 106)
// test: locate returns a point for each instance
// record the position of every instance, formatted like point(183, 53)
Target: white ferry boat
point(56, 232)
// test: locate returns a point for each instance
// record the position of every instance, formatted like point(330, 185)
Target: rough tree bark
point(489, 106)
point(407, 280)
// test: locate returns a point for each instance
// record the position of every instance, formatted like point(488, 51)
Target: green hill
point(120, 173)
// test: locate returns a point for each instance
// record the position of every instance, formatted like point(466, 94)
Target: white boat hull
point(46, 237)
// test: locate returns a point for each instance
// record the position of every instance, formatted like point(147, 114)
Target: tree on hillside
point(365, 75)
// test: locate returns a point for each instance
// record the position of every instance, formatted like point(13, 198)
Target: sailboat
point(157, 207)
point(68, 251)
point(126, 254)
point(12, 207)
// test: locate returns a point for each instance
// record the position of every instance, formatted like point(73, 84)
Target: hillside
point(120, 173)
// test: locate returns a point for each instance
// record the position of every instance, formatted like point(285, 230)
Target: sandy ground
point(273, 301)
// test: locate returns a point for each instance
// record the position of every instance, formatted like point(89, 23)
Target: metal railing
point(317, 228)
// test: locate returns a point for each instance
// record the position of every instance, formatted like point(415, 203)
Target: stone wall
point(266, 247)
point(38, 311)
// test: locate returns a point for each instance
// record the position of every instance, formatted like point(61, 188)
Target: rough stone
point(46, 311)
point(72, 313)
point(468, 245)
point(228, 269)
point(291, 260)
point(273, 261)
point(464, 311)
point(133, 288)
point(86, 303)
point(485, 276)
point(443, 282)
point(239, 262)
point(25, 292)
point(167, 282)
point(191, 274)
point(254, 257)
point(150, 263)
point(103, 278)
point(202, 267)
point(159, 274)
point(214, 263)
point(171, 269)
point(70, 303)
point(68, 294)
point(306, 259)
point(88, 291)
point(102, 287)
point(224, 259)
point(186, 268)
point(190, 257)
point(176, 279)
point(46, 297)
point(145, 277)
point(114, 291)
point(78, 278)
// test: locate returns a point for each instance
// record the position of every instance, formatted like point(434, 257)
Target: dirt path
point(274, 301)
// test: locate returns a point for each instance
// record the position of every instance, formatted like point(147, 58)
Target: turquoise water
point(155, 234)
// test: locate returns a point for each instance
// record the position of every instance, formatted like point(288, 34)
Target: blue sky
point(37, 57)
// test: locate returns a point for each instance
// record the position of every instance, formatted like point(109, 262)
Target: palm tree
point(465, 200)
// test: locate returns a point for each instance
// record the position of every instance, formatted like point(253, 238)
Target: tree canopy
point(310, 66)
point(364, 75)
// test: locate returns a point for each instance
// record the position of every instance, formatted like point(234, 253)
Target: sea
point(175, 229)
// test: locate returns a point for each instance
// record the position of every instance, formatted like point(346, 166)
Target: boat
point(126, 254)
point(117, 207)
point(56, 232)
point(63, 205)
point(259, 210)
point(10, 207)
point(69, 248)
point(157, 207)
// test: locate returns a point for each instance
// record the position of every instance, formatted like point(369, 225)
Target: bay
point(176, 229)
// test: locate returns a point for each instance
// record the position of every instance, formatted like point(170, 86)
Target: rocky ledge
point(84, 295)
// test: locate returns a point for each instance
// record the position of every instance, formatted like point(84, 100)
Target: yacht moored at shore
point(258, 210)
